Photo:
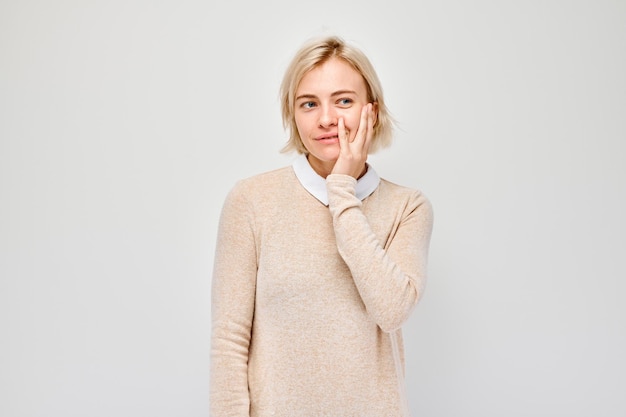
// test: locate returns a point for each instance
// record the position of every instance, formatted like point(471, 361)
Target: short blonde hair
point(314, 53)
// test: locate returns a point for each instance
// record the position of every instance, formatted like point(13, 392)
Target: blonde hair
point(314, 53)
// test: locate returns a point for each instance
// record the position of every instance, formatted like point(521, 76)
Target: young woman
point(319, 264)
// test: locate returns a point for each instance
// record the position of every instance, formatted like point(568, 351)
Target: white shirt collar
point(316, 185)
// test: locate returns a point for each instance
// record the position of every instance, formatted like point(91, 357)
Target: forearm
point(390, 276)
point(230, 342)
point(229, 373)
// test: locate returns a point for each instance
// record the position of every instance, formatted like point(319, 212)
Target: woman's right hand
point(353, 152)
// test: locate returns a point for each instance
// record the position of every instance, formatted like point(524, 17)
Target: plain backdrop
point(123, 124)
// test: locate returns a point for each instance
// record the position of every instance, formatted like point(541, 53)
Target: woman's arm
point(232, 307)
point(391, 276)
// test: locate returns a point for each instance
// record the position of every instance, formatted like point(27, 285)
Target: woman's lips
point(327, 138)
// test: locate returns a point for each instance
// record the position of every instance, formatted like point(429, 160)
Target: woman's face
point(328, 92)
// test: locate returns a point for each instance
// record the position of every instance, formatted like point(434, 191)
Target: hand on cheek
point(353, 152)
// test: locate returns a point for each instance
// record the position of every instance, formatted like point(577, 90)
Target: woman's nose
point(328, 116)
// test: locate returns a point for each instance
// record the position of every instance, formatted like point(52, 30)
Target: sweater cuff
point(341, 180)
point(341, 190)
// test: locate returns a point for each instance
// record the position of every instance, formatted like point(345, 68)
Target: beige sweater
point(304, 297)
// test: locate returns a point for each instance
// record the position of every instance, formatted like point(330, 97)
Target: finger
point(370, 127)
point(361, 132)
point(342, 134)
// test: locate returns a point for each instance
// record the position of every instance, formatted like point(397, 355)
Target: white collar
point(316, 184)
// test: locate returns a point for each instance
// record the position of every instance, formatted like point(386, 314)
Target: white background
point(123, 124)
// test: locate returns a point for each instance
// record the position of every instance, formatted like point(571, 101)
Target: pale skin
point(334, 118)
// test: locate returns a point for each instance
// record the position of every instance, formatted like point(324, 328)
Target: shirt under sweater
point(304, 296)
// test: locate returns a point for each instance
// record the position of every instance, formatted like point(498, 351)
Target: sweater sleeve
point(389, 276)
point(232, 307)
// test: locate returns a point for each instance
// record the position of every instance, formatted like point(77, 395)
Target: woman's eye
point(345, 101)
point(308, 105)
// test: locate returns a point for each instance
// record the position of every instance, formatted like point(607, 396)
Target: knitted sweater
point(304, 296)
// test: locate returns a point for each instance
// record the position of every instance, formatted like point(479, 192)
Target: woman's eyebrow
point(334, 94)
point(342, 92)
point(307, 96)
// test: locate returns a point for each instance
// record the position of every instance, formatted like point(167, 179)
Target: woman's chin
point(323, 163)
point(325, 159)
